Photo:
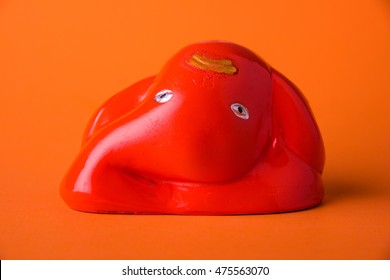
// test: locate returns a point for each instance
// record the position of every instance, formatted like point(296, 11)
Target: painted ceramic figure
point(217, 131)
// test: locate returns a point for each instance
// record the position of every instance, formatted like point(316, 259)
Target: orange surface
point(59, 60)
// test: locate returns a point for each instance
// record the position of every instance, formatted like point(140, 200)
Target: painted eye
point(240, 111)
point(163, 96)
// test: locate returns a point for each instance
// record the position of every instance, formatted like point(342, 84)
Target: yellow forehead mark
point(217, 65)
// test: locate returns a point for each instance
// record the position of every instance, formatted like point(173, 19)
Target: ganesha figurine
point(217, 131)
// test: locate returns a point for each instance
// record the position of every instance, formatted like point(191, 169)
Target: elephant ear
point(294, 123)
point(118, 105)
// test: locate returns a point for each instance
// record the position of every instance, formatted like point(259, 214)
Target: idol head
point(216, 131)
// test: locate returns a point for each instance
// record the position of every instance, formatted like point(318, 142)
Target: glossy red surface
point(217, 131)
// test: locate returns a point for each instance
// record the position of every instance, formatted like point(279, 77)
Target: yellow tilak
point(218, 65)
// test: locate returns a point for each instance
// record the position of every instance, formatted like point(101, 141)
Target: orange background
point(59, 60)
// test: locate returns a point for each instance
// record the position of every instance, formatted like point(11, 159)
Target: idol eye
point(163, 96)
point(240, 111)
